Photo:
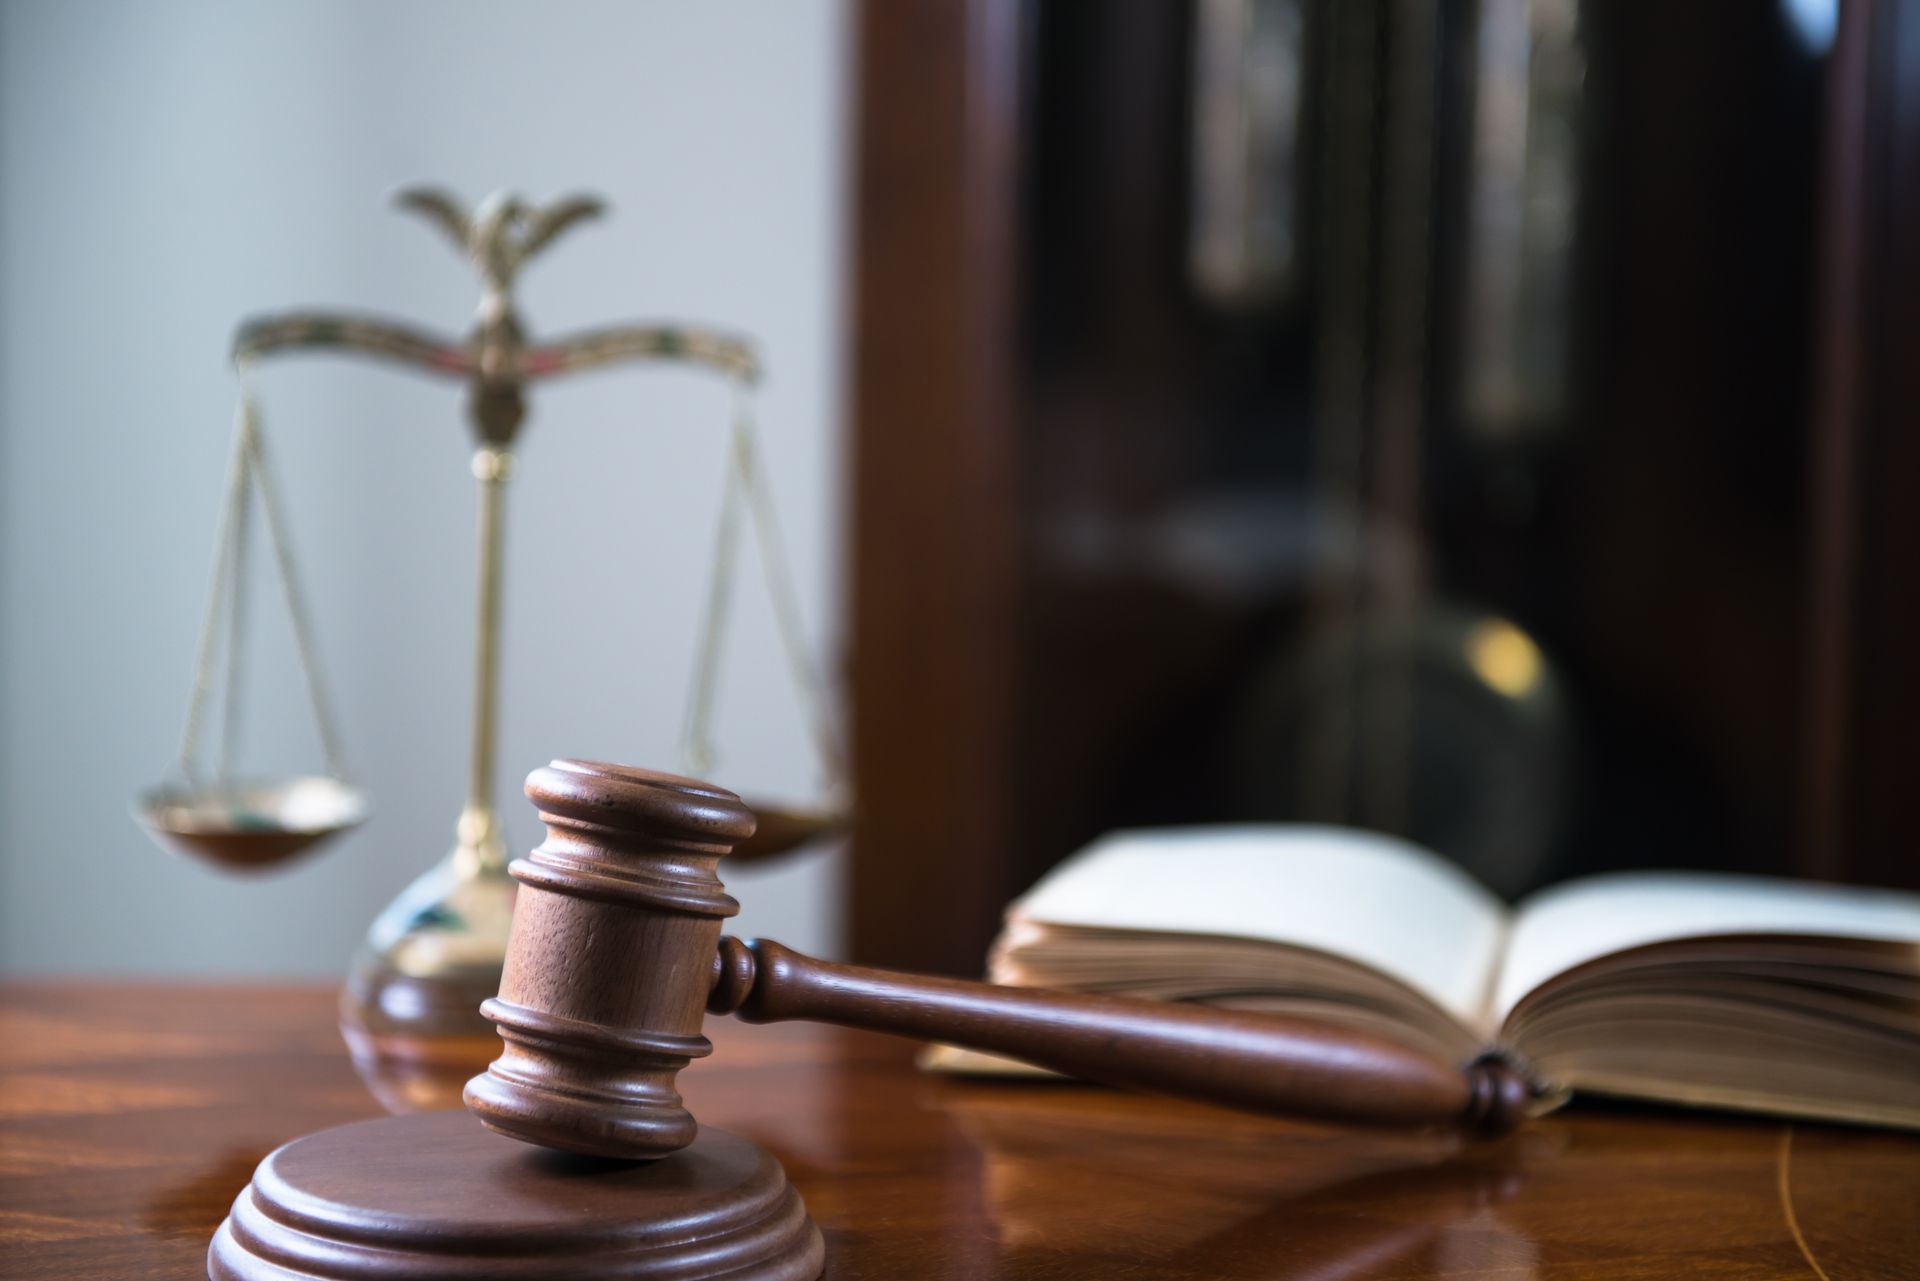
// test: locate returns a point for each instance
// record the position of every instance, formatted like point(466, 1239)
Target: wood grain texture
point(1863, 615)
point(935, 525)
point(434, 1196)
point(133, 1115)
point(609, 960)
point(1260, 1062)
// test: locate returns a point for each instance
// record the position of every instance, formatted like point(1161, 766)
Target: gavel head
point(615, 937)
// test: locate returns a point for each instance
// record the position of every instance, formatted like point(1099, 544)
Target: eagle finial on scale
point(502, 231)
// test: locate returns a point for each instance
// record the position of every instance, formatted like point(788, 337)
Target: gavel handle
point(1261, 1063)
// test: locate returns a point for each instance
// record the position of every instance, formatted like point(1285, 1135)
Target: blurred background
point(169, 169)
point(1477, 420)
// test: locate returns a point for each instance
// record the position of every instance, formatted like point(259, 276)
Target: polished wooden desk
point(131, 1115)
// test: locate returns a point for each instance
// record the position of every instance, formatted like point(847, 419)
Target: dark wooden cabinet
point(1126, 553)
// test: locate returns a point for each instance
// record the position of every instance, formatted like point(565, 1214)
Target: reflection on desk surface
point(129, 1115)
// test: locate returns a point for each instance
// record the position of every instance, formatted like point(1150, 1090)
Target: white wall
point(169, 166)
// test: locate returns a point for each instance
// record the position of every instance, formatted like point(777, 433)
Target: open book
point(1697, 988)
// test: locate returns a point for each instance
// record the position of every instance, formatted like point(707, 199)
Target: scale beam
point(497, 237)
point(347, 331)
point(513, 363)
point(617, 344)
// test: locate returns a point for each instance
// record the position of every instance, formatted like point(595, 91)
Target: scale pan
point(786, 827)
point(251, 825)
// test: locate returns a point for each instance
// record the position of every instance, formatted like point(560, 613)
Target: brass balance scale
point(409, 1008)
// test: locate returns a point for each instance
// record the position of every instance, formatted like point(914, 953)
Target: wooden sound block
point(438, 1195)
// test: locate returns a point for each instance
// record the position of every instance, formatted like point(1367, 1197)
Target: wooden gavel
point(616, 955)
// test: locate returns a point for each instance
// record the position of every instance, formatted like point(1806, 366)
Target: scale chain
point(238, 468)
point(237, 592)
point(290, 585)
point(247, 476)
point(696, 742)
point(786, 601)
point(745, 481)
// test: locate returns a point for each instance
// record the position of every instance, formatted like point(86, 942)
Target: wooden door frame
point(935, 529)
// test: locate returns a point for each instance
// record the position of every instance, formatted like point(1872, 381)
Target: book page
point(1383, 902)
point(1569, 925)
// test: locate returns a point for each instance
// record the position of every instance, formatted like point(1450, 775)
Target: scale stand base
point(436, 1194)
